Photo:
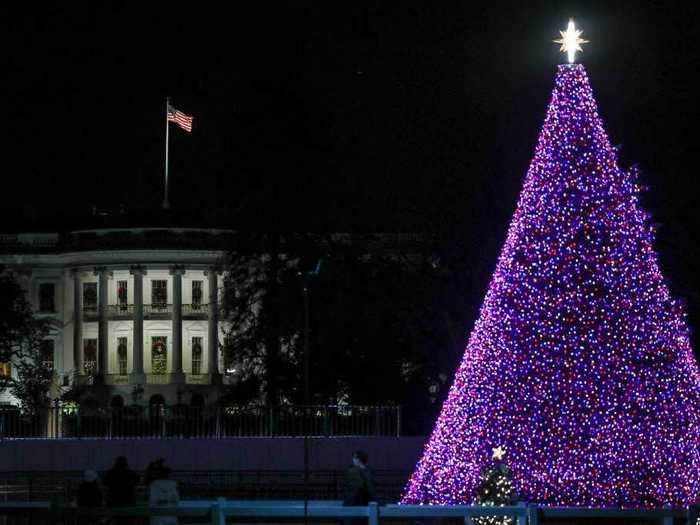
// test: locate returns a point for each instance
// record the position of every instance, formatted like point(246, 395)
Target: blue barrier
point(219, 510)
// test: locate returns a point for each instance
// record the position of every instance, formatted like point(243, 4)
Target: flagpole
point(166, 202)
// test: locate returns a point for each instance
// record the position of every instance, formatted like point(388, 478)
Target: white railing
point(158, 379)
point(157, 308)
point(195, 309)
point(218, 511)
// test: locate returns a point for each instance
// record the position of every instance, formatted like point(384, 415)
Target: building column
point(177, 375)
point(102, 324)
point(77, 324)
point(137, 377)
point(213, 327)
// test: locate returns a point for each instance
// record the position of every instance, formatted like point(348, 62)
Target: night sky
point(337, 115)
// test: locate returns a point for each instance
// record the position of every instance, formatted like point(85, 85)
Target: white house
point(128, 308)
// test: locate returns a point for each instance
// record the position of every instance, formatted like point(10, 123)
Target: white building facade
point(129, 309)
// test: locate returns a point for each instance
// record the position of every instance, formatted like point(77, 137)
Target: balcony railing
point(158, 308)
point(157, 379)
point(197, 379)
point(128, 310)
point(90, 311)
point(119, 310)
point(195, 309)
point(117, 379)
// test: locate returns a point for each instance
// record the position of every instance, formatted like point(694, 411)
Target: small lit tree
point(496, 489)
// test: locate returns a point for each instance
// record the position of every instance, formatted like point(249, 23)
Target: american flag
point(179, 118)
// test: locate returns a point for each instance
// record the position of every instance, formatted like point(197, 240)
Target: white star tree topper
point(498, 453)
point(571, 41)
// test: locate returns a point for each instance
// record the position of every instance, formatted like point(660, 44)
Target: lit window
point(90, 297)
point(159, 293)
point(196, 355)
point(122, 294)
point(196, 295)
point(5, 370)
point(121, 355)
point(159, 355)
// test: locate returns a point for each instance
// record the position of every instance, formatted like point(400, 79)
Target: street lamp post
point(305, 292)
point(306, 276)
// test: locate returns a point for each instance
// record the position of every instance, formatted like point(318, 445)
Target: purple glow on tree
point(580, 362)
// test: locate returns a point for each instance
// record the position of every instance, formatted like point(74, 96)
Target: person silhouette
point(120, 482)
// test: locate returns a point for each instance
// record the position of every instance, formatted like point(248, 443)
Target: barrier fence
point(200, 484)
point(220, 512)
point(184, 421)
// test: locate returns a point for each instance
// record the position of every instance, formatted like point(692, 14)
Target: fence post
point(218, 517)
point(693, 514)
point(373, 513)
point(59, 420)
point(521, 519)
point(270, 422)
point(533, 515)
point(398, 420)
point(326, 421)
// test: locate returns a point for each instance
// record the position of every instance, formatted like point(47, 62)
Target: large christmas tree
point(580, 362)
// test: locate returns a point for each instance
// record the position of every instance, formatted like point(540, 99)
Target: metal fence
point(184, 421)
point(219, 512)
point(199, 484)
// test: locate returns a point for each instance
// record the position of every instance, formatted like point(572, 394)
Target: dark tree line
point(21, 337)
point(388, 322)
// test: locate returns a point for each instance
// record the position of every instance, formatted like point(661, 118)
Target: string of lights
point(580, 361)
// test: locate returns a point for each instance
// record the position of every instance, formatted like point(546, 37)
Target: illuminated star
point(571, 41)
point(498, 453)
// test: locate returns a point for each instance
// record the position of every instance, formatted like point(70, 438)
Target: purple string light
point(580, 362)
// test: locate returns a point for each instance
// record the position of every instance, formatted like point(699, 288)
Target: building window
point(47, 295)
point(5, 370)
point(159, 293)
point(196, 295)
point(122, 295)
point(90, 297)
point(46, 353)
point(121, 355)
point(196, 356)
point(90, 356)
point(159, 355)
